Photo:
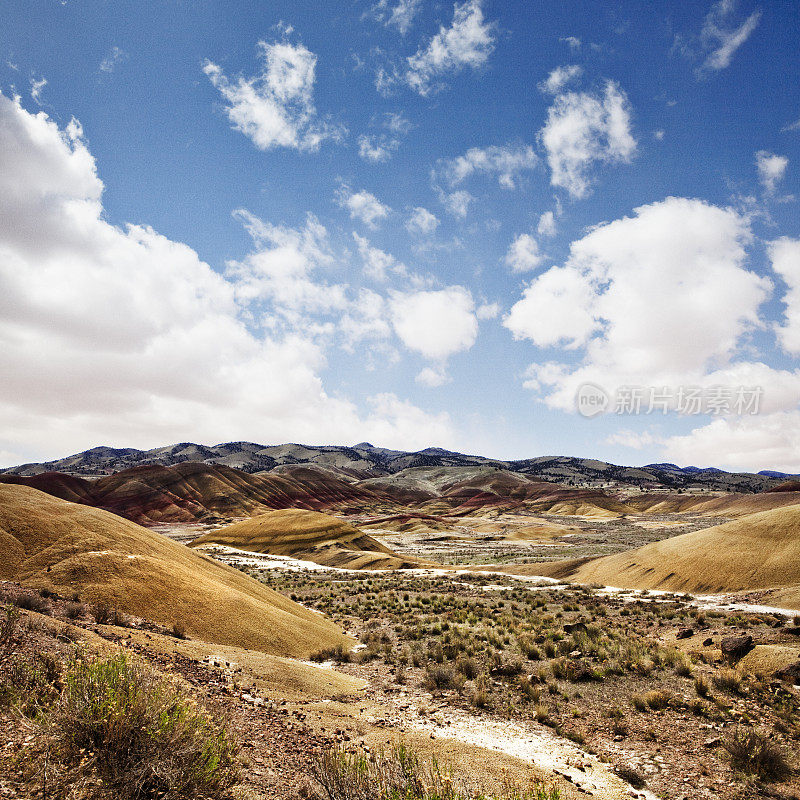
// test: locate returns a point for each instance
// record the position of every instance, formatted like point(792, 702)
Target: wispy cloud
point(399, 14)
point(362, 205)
point(719, 39)
point(506, 161)
point(37, 86)
point(275, 108)
point(114, 57)
point(559, 78)
point(466, 43)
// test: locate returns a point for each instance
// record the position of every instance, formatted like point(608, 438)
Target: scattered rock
point(685, 633)
point(791, 672)
point(708, 642)
point(736, 647)
point(794, 630)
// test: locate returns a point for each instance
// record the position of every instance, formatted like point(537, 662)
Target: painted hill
point(309, 536)
point(49, 543)
point(191, 491)
point(760, 551)
point(364, 460)
point(722, 505)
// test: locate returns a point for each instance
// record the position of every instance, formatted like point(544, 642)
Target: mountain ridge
point(364, 460)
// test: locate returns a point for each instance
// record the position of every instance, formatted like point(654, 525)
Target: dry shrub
point(32, 602)
point(729, 680)
point(337, 654)
point(344, 775)
point(754, 753)
point(143, 735)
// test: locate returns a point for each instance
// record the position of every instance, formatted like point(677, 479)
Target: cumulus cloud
point(399, 14)
point(125, 337)
point(507, 162)
point(436, 324)
point(560, 77)
point(466, 43)
point(660, 298)
point(547, 224)
point(523, 254)
point(422, 222)
point(363, 206)
point(771, 169)
point(784, 254)
point(582, 129)
point(366, 318)
point(721, 37)
point(275, 108)
point(767, 441)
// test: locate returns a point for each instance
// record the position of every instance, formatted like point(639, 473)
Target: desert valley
point(557, 627)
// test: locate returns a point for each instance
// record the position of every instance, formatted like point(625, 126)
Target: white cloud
point(559, 78)
point(124, 337)
point(367, 318)
point(488, 311)
point(114, 56)
point(573, 41)
point(634, 440)
point(507, 162)
point(720, 39)
point(377, 149)
point(547, 224)
point(436, 324)
point(400, 14)
point(784, 254)
point(457, 203)
point(377, 263)
point(523, 254)
point(421, 221)
point(363, 206)
point(36, 89)
point(658, 135)
point(660, 298)
point(428, 376)
point(771, 169)
point(283, 267)
point(767, 441)
point(276, 107)
point(584, 128)
point(468, 42)
point(397, 123)
point(792, 126)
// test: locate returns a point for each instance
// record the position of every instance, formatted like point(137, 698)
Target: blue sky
point(408, 222)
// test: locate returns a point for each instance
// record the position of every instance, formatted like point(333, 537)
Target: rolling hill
point(48, 543)
point(191, 491)
point(309, 536)
point(759, 551)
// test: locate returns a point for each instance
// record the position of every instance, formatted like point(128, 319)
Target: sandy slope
point(68, 548)
point(309, 536)
point(758, 551)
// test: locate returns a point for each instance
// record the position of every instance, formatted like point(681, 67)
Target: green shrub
point(145, 735)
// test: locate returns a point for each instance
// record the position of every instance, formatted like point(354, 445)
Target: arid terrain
point(538, 638)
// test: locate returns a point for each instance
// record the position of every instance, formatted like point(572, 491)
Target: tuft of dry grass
point(755, 753)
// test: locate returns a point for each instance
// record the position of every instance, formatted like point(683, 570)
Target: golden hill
point(759, 551)
point(309, 536)
point(68, 548)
